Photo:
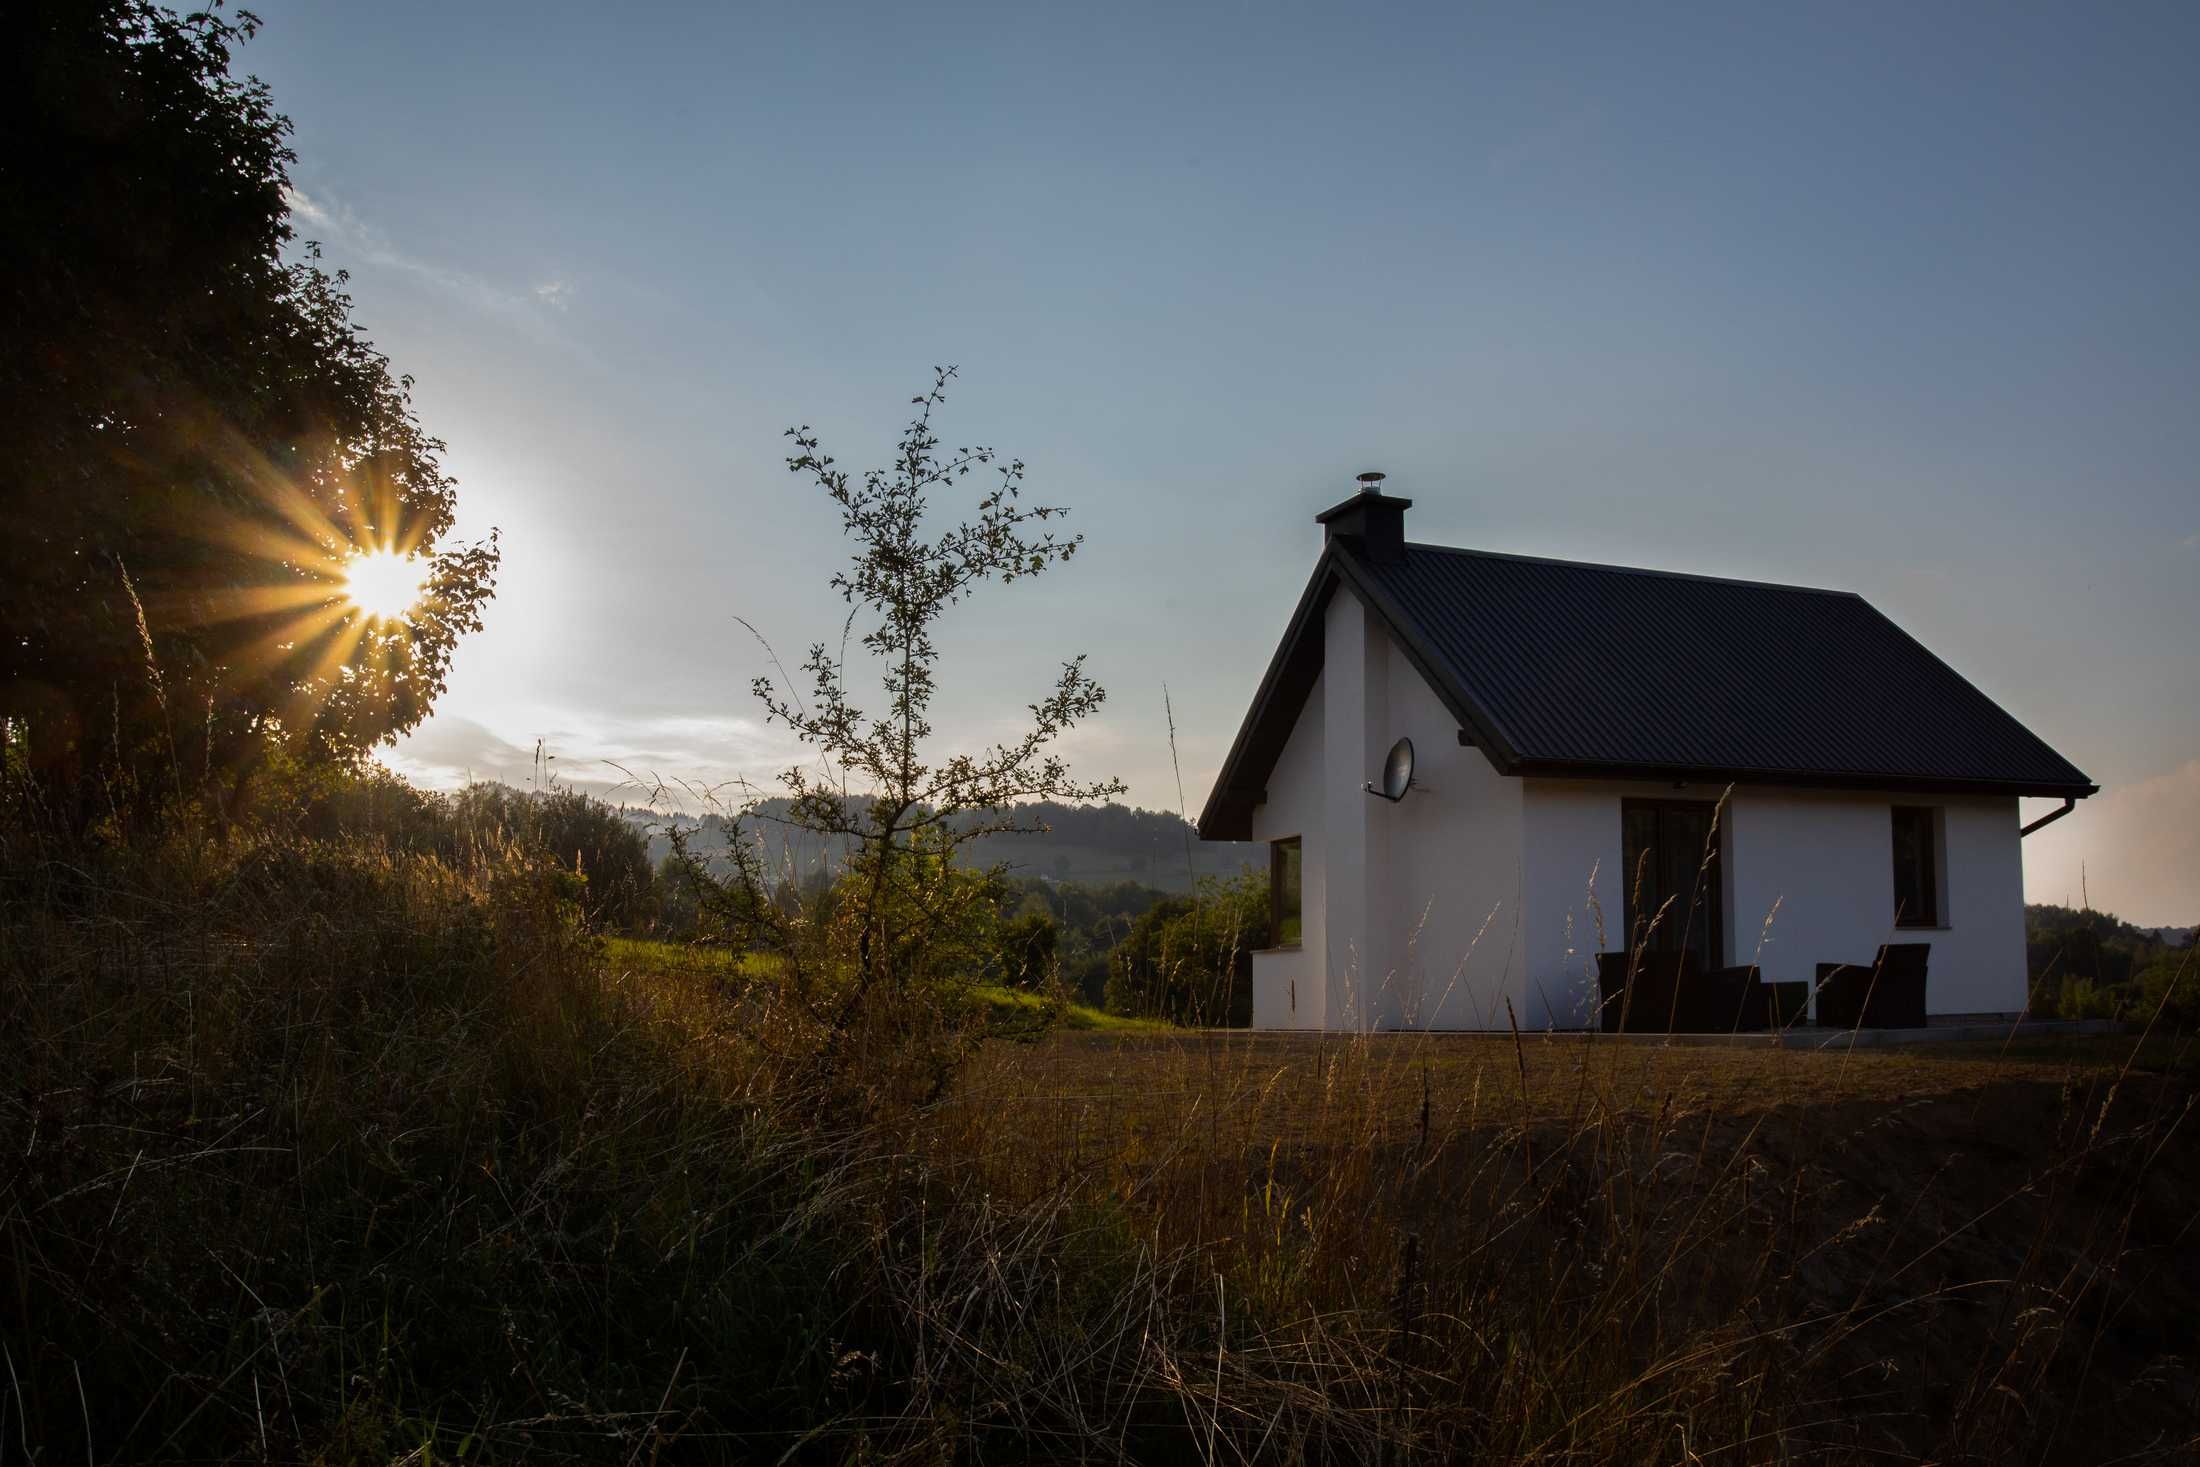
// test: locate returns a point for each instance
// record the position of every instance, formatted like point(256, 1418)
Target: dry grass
point(328, 1153)
point(1261, 1088)
point(1559, 1249)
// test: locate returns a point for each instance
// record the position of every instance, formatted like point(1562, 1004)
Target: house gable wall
point(1410, 909)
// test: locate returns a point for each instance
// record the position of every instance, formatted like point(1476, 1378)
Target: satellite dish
point(1397, 772)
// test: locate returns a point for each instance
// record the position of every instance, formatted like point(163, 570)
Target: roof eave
point(1228, 813)
point(1803, 779)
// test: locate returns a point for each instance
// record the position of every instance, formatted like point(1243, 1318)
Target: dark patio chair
point(1790, 1003)
point(1662, 982)
point(1888, 993)
point(1733, 1000)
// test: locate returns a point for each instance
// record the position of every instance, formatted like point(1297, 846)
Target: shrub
point(1189, 959)
point(1026, 946)
point(2082, 998)
point(2170, 985)
point(579, 832)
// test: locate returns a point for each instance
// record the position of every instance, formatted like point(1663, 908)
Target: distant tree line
point(1088, 844)
point(1134, 947)
point(2091, 965)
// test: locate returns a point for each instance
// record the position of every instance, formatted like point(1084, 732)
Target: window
point(1283, 892)
point(1916, 866)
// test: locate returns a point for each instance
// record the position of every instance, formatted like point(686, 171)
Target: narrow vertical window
point(1916, 867)
point(1283, 892)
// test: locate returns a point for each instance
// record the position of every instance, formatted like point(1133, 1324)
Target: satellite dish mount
point(1397, 773)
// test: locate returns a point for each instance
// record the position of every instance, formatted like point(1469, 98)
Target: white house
point(1801, 777)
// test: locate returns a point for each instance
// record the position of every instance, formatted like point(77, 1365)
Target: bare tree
point(903, 809)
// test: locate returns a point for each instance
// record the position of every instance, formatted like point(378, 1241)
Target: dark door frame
point(1706, 925)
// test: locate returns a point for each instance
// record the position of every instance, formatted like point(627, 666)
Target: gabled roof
point(1559, 668)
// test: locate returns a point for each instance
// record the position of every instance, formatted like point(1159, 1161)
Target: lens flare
point(383, 584)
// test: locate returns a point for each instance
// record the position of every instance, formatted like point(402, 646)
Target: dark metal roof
point(1560, 668)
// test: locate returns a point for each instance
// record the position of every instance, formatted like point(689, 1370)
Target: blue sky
point(1898, 299)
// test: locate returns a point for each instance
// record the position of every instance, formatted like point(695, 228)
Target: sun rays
point(383, 584)
point(334, 582)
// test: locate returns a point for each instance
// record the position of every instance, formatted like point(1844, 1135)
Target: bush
point(2082, 998)
point(606, 854)
point(1189, 959)
point(2170, 984)
point(579, 832)
point(1026, 950)
point(2165, 993)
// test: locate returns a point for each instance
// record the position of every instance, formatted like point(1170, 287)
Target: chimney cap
point(1374, 522)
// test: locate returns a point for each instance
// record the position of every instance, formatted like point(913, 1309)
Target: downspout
point(2070, 803)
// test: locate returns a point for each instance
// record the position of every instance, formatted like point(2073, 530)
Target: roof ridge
point(1629, 570)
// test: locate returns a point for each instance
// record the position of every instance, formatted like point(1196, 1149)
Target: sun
point(383, 583)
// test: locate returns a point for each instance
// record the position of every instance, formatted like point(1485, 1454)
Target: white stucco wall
point(1447, 912)
point(1574, 897)
point(1827, 860)
point(1412, 910)
point(1809, 879)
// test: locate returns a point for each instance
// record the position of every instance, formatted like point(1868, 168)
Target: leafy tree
point(1188, 959)
point(679, 903)
point(2082, 962)
point(902, 809)
point(194, 436)
point(2169, 986)
point(1027, 950)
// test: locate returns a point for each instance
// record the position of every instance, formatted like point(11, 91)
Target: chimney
point(1372, 522)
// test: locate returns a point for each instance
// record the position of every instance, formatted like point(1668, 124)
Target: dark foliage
point(2086, 964)
point(1189, 959)
point(193, 434)
point(1027, 947)
point(579, 833)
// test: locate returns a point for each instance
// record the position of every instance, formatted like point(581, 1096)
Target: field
point(1908, 1251)
point(330, 1153)
point(1305, 1089)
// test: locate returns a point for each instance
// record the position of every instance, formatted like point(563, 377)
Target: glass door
point(1672, 849)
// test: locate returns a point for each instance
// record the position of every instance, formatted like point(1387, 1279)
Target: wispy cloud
point(305, 207)
point(352, 240)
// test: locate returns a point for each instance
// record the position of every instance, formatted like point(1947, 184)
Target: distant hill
point(1089, 845)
